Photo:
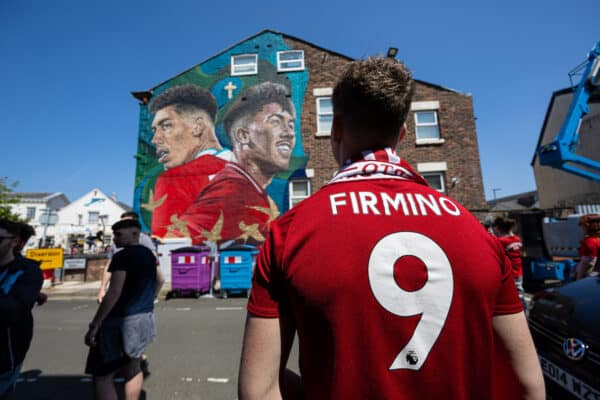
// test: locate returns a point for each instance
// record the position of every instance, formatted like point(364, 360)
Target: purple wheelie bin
point(190, 271)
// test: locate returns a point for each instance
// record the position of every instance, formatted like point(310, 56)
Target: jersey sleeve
point(265, 295)
point(119, 262)
point(507, 298)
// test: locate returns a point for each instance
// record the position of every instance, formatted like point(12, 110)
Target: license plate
point(570, 383)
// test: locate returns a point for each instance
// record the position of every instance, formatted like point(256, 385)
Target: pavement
point(78, 290)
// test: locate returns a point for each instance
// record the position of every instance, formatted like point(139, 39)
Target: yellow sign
point(50, 258)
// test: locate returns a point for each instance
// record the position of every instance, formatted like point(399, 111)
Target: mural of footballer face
point(261, 127)
point(183, 124)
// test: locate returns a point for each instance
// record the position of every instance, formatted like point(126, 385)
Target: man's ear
point(402, 132)
point(242, 135)
point(337, 128)
point(199, 126)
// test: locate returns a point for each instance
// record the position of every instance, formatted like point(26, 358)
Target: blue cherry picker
point(561, 152)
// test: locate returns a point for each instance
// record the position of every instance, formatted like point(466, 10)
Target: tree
point(7, 199)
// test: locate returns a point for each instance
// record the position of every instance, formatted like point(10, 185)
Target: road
point(196, 355)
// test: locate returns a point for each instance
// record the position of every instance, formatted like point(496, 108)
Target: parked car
point(565, 325)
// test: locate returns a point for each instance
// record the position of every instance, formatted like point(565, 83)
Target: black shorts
point(108, 355)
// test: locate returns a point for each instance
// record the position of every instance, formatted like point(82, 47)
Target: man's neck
point(209, 144)
point(261, 176)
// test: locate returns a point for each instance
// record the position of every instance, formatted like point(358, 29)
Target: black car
point(565, 325)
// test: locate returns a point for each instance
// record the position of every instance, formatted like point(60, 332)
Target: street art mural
point(216, 151)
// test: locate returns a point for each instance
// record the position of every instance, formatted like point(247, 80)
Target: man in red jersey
point(394, 289)
point(589, 248)
point(186, 145)
point(235, 205)
point(503, 228)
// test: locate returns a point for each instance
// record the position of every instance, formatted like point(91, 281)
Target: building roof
point(35, 196)
point(520, 201)
point(144, 95)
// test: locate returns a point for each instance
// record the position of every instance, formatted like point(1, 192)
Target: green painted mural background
point(215, 75)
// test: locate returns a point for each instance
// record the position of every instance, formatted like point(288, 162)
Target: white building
point(38, 208)
point(87, 216)
point(67, 222)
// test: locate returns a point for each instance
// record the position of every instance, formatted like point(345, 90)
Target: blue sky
point(67, 68)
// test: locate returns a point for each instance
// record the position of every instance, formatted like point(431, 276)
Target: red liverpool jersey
point(512, 246)
point(589, 247)
point(392, 286)
point(177, 188)
point(231, 207)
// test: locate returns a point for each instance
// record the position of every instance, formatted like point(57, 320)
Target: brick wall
point(456, 122)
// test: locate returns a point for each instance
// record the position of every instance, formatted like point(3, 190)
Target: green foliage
point(7, 199)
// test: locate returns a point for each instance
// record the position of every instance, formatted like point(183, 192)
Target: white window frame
point(97, 213)
point(291, 191)
point(233, 66)
point(30, 213)
point(320, 131)
point(441, 176)
point(281, 68)
point(423, 106)
point(423, 124)
point(434, 168)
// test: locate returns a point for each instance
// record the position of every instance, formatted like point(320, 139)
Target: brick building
point(441, 142)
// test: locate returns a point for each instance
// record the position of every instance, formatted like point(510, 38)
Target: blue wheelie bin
point(236, 264)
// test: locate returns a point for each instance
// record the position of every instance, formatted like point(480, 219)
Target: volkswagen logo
point(574, 348)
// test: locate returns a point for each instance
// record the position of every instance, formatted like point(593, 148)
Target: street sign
point(48, 218)
point(50, 258)
point(74, 263)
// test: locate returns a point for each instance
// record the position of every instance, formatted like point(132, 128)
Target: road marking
point(228, 308)
point(30, 380)
point(80, 307)
point(85, 380)
point(20, 380)
point(218, 380)
point(183, 308)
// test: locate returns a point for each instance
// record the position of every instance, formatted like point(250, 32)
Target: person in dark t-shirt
point(124, 323)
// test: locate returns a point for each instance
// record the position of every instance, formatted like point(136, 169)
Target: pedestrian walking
point(124, 324)
point(20, 284)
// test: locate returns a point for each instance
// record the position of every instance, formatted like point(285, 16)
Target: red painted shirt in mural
point(392, 287)
point(512, 246)
point(231, 207)
point(177, 188)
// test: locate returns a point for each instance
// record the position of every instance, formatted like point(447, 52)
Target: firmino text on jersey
point(409, 204)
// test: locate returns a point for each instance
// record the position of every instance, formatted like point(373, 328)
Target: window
point(324, 116)
point(426, 123)
point(30, 213)
point(93, 217)
point(79, 219)
point(299, 190)
point(435, 180)
point(244, 64)
point(292, 60)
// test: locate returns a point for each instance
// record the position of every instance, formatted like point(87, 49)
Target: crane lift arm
point(560, 153)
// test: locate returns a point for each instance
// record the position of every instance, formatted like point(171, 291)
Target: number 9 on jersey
point(432, 301)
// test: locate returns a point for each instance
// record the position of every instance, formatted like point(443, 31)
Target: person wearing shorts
point(124, 324)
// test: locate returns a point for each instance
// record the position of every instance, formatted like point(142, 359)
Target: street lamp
point(496, 190)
